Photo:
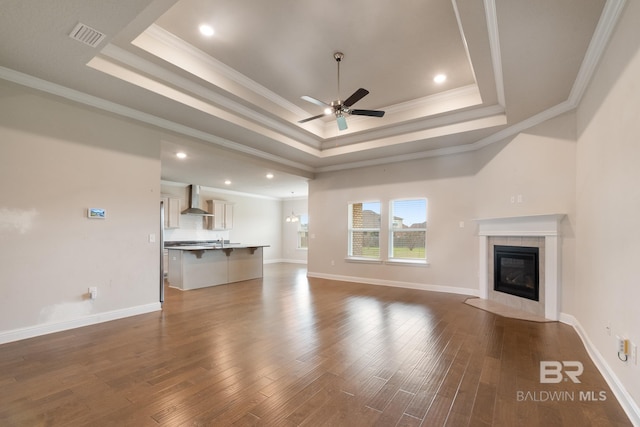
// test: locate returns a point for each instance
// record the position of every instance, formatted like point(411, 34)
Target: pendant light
point(293, 217)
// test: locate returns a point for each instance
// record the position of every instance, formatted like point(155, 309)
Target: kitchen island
point(194, 265)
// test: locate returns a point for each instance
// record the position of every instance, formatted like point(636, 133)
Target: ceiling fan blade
point(315, 101)
point(372, 113)
point(311, 118)
point(357, 96)
point(342, 122)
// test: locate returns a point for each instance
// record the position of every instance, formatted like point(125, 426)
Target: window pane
point(364, 230)
point(409, 213)
point(409, 244)
point(303, 239)
point(365, 215)
point(365, 244)
point(408, 237)
point(303, 231)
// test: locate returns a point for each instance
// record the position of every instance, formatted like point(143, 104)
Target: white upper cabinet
point(171, 212)
point(223, 215)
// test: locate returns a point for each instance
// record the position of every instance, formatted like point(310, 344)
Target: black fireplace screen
point(516, 271)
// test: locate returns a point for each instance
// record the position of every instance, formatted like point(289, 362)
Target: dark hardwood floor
point(287, 350)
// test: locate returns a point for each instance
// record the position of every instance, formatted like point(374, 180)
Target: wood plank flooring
point(291, 351)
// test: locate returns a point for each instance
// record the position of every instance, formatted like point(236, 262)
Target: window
point(408, 229)
point(364, 230)
point(303, 231)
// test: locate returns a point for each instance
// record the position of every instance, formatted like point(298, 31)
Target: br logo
point(552, 371)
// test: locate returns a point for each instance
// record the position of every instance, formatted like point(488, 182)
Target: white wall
point(539, 165)
point(608, 202)
point(56, 160)
point(256, 220)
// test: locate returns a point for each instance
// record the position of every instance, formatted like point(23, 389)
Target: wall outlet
point(93, 292)
point(634, 353)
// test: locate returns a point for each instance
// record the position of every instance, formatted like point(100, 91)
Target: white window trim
point(362, 260)
point(409, 262)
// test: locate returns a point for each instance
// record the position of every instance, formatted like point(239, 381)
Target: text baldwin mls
point(560, 396)
point(555, 372)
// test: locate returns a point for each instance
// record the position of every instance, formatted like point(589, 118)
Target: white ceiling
point(232, 101)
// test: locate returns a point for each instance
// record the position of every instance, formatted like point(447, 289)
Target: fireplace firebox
point(516, 271)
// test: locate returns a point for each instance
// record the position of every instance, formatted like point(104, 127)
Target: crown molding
point(494, 46)
point(607, 23)
point(169, 40)
point(150, 69)
point(99, 103)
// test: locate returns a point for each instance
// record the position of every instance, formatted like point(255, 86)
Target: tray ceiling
point(509, 64)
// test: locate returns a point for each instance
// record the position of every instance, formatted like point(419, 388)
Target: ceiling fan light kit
point(340, 108)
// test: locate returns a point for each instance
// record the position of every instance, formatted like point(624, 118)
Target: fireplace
point(516, 271)
point(535, 231)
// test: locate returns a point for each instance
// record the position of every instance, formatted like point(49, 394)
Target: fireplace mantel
point(532, 225)
point(547, 226)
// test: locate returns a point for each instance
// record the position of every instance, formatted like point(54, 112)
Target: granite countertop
point(208, 245)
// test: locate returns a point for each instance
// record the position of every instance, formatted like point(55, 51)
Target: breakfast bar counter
point(194, 266)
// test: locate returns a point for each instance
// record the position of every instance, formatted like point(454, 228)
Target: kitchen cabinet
point(223, 215)
point(194, 267)
point(172, 207)
point(244, 264)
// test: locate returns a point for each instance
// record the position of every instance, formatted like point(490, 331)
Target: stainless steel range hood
point(194, 203)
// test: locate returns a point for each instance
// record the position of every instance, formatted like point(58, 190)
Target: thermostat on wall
point(96, 213)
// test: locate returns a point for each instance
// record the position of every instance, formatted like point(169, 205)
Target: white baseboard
point(49, 328)
point(624, 398)
point(396, 284)
point(287, 261)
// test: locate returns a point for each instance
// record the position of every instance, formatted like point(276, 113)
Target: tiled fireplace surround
point(541, 231)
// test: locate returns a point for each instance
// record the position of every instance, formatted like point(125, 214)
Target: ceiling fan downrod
point(338, 56)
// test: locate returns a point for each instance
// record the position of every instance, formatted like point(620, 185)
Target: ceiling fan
point(341, 108)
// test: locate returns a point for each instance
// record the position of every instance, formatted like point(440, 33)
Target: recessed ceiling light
point(181, 155)
point(206, 30)
point(440, 78)
point(227, 181)
point(269, 176)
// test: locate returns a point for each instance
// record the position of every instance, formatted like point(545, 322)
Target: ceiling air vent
point(87, 35)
